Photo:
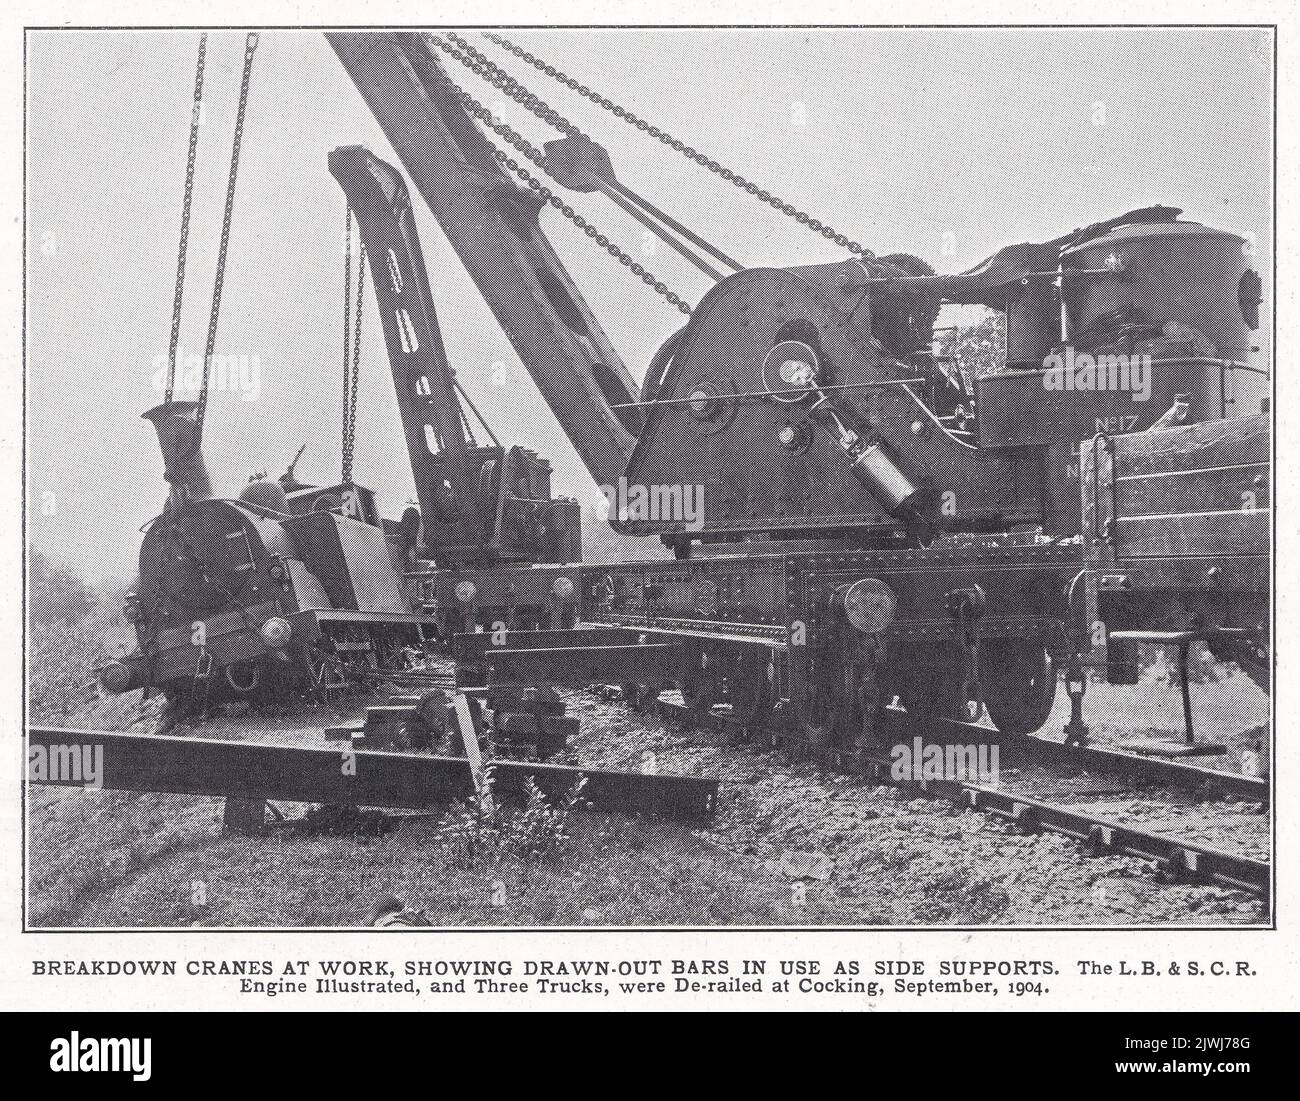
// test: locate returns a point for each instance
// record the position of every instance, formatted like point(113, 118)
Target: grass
point(62, 660)
point(121, 859)
point(613, 871)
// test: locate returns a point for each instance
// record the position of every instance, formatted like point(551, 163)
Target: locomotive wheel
point(696, 681)
point(699, 693)
point(749, 691)
point(928, 684)
point(1019, 681)
point(244, 676)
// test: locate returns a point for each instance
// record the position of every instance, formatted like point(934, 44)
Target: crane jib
point(492, 225)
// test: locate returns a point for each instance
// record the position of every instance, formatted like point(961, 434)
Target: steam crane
point(801, 402)
point(792, 400)
point(479, 505)
point(892, 534)
point(806, 407)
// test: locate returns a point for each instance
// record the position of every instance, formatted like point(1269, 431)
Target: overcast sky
point(902, 139)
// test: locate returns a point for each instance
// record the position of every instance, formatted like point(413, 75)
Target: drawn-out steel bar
point(300, 774)
point(579, 666)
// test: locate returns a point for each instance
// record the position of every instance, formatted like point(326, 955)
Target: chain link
point(350, 385)
point(195, 116)
point(250, 46)
point(347, 333)
point(503, 82)
point(748, 186)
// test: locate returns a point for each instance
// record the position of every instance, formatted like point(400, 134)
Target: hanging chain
point(347, 336)
point(351, 378)
point(466, 426)
point(250, 46)
point(473, 107)
point(195, 116)
point(748, 186)
point(490, 71)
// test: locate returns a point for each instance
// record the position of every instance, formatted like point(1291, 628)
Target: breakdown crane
point(807, 407)
point(480, 505)
point(493, 226)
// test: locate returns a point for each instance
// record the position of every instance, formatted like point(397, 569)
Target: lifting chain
point(489, 70)
point(250, 46)
point(503, 82)
point(195, 118)
point(748, 186)
point(351, 347)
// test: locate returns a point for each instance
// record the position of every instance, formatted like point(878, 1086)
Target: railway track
point(1086, 794)
point(1075, 791)
point(1174, 857)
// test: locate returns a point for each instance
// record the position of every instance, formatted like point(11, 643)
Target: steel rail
point(1178, 859)
point(1156, 770)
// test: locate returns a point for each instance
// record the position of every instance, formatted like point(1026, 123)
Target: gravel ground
point(889, 859)
point(899, 860)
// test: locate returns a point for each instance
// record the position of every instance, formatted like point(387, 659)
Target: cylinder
point(897, 493)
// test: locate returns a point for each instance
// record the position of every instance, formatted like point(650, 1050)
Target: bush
point(56, 595)
point(538, 834)
point(62, 660)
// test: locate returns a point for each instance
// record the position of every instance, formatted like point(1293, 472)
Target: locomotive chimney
point(178, 436)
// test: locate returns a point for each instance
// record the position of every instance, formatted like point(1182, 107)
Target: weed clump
point(481, 832)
